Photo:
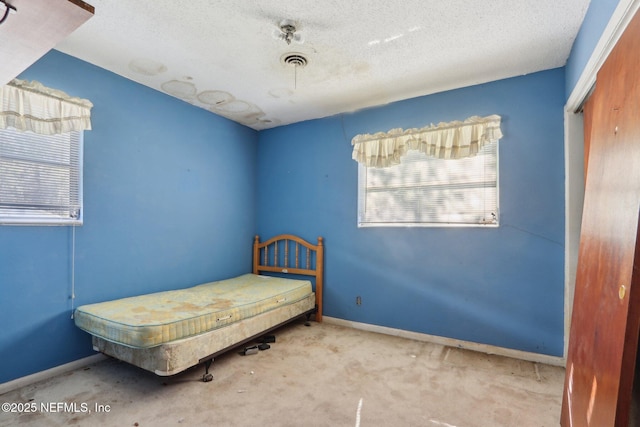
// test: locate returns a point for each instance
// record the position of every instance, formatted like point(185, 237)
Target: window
point(40, 178)
point(41, 141)
point(437, 175)
point(429, 191)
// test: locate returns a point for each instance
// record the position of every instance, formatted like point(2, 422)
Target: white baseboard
point(49, 373)
point(483, 348)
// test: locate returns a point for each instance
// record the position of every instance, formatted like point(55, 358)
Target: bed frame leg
point(207, 376)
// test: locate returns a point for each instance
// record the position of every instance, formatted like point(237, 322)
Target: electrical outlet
point(358, 300)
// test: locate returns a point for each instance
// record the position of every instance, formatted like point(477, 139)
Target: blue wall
point(503, 286)
point(170, 200)
point(169, 197)
point(595, 21)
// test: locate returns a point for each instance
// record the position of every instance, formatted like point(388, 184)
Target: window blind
point(40, 177)
point(427, 191)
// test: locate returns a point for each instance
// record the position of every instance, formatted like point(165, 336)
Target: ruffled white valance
point(451, 140)
point(30, 106)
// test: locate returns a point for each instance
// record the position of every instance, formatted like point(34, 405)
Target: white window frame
point(24, 211)
point(369, 219)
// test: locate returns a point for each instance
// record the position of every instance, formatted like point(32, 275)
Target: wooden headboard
point(290, 254)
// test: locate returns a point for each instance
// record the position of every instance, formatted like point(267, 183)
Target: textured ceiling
point(225, 56)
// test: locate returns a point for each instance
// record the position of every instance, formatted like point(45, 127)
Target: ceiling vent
point(295, 59)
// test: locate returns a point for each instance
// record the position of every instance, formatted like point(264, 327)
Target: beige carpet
point(321, 375)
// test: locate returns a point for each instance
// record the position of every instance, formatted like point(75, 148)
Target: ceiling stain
point(219, 102)
point(280, 93)
point(147, 67)
point(215, 97)
point(226, 105)
point(183, 90)
point(235, 106)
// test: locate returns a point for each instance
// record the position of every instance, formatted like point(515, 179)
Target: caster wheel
point(207, 377)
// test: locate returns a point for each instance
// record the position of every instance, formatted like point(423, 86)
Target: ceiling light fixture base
point(288, 33)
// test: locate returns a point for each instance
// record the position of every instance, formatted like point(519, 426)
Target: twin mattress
point(150, 320)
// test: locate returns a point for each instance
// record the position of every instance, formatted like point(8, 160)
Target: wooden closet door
point(603, 339)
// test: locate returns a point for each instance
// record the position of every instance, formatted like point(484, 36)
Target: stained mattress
point(149, 320)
